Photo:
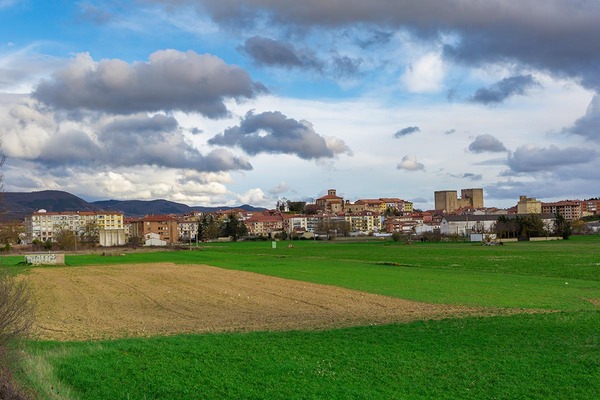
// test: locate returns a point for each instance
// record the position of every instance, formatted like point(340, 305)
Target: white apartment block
point(43, 225)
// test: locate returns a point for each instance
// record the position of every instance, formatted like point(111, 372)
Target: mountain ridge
point(18, 205)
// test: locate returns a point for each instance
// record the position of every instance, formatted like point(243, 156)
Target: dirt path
point(162, 299)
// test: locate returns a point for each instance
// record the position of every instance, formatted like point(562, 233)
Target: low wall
point(45, 258)
point(533, 239)
point(543, 239)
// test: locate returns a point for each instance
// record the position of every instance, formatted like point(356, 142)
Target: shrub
point(16, 318)
point(16, 309)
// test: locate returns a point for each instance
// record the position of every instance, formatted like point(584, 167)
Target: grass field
point(554, 355)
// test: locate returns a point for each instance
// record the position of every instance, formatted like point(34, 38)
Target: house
point(153, 239)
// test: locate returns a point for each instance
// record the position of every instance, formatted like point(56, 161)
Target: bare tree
point(16, 318)
point(16, 309)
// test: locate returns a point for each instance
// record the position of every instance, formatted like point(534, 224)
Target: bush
point(16, 318)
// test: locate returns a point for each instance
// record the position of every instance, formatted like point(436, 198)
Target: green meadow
point(536, 356)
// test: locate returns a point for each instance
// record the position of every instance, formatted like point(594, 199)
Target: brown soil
point(164, 299)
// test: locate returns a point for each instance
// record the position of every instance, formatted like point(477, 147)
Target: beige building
point(448, 200)
point(528, 205)
point(331, 202)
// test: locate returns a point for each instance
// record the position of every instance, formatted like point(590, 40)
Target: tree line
point(532, 225)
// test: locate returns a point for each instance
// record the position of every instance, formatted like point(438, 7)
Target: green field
point(552, 355)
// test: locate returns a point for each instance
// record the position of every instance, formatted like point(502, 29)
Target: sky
point(223, 103)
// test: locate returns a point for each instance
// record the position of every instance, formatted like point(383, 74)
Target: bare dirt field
point(164, 299)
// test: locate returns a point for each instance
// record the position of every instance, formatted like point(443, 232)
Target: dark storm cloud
point(79, 151)
point(406, 131)
point(557, 35)
point(589, 125)
point(273, 132)
point(507, 87)
point(133, 141)
point(171, 80)
point(486, 143)
point(156, 140)
point(534, 159)
point(270, 52)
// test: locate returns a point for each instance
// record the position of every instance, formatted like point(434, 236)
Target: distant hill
point(139, 208)
point(17, 205)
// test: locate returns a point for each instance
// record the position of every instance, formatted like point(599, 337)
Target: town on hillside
point(330, 216)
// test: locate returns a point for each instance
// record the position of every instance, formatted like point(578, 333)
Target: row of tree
point(531, 225)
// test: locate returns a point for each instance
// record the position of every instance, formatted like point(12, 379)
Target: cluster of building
point(329, 215)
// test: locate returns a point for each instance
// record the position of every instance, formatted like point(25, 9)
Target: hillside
point(17, 205)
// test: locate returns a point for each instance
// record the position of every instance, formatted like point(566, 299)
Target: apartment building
point(590, 207)
point(569, 209)
point(266, 223)
point(44, 225)
point(364, 222)
point(165, 226)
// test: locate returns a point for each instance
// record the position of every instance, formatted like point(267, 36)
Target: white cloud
point(280, 188)
point(255, 197)
point(410, 163)
point(425, 75)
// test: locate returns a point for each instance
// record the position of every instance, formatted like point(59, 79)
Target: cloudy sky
point(228, 102)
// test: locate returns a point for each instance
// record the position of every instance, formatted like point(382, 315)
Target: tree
point(335, 227)
point(65, 238)
point(580, 227)
point(16, 309)
point(562, 227)
point(11, 232)
point(208, 228)
point(90, 234)
point(282, 205)
point(234, 228)
point(296, 206)
point(530, 225)
point(505, 227)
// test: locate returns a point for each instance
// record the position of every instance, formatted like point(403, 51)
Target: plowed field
point(163, 299)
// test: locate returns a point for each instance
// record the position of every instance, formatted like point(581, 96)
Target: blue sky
point(228, 102)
